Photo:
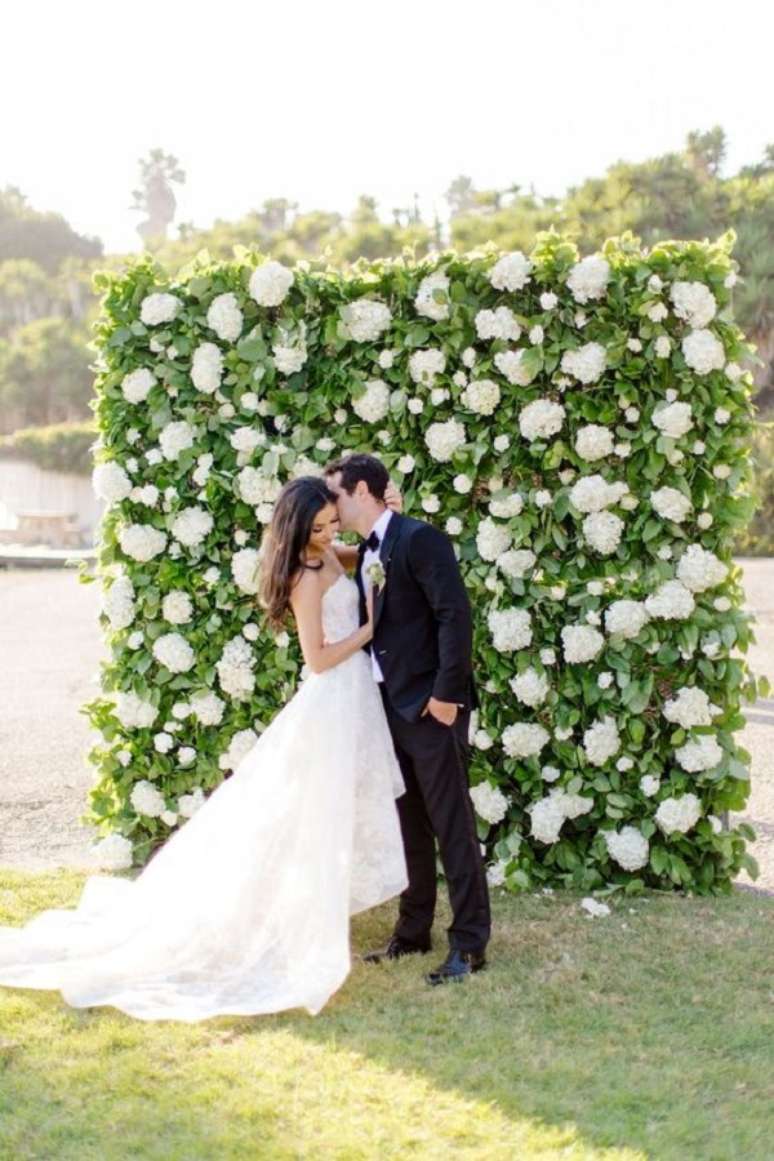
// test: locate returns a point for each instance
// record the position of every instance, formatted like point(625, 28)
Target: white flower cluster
point(375, 403)
point(192, 525)
point(492, 540)
point(432, 298)
point(700, 569)
point(481, 396)
point(671, 504)
point(177, 607)
point(694, 302)
point(142, 541)
point(133, 711)
point(689, 707)
point(444, 439)
point(270, 283)
point(159, 308)
point(586, 364)
point(510, 628)
point(530, 687)
point(550, 813)
point(235, 669)
point(588, 278)
point(117, 602)
point(288, 360)
point(110, 482)
point(699, 754)
point(594, 493)
point(524, 740)
point(256, 488)
point(516, 563)
point(671, 601)
point(497, 324)
point(541, 419)
point(244, 569)
point(678, 814)
point(703, 352)
point(581, 643)
point(225, 317)
point(147, 800)
point(490, 802)
point(207, 708)
point(175, 438)
point(173, 652)
point(511, 365)
point(603, 531)
point(601, 741)
point(137, 385)
point(594, 442)
point(626, 618)
point(365, 319)
point(424, 365)
point(628, 847)
point(505, 506)
point(240, 745)
point(511, 272)
point(673, 419)
point(113, 853)
point(207, 368)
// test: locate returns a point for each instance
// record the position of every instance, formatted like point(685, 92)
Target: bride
point(245, 909)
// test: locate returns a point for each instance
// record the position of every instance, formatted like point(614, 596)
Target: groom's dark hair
point(359, 467)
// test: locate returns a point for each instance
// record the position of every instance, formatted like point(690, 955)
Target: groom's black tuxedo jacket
point(423, 633)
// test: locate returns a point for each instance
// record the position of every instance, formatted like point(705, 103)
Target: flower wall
point(580, 428)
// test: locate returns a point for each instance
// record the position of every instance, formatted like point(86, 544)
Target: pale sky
point(321, 101)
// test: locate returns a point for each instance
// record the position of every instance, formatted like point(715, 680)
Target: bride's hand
point(393, 498)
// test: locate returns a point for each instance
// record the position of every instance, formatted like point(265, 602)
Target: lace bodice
point(340, 610)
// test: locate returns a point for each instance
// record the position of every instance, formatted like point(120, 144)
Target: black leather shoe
point(395, 949)
point(458, 965)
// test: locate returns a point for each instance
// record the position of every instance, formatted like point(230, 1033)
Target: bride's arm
point(347, 553)
point(306, 603)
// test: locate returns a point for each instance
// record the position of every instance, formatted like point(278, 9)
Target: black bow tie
point(373, 542)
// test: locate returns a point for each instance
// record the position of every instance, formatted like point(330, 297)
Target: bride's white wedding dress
point(246, 908)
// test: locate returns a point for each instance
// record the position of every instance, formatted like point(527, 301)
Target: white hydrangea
point(547, 817)
point(699, 569)
point(689, 707)
point(188, 804)
point(671, 504)
point(585, 364)
point(159, 308)
point(424, 365)
point(365, 320)
point(511, 365)
point(694, 302)
point(603, 531)
point(163, 742)
point(110, 482)
point(594, 908)
point(136, 385)
point(432, 299)
point(270, 283)
point(375, 403)
point(627, 618)
point(225, 318)
point(113, 853)
point(192, 525)
point(207, 368)
point(490, 802)
point(511, 629)
point(134, 712)
point(492, 540)
point(530, 687)
point(601, 741)
point(650, 785)
point(444, 439)
point(703, 352)
point(288, 360)
point(256, 488)
point(524, 740)
point(235, 669)
point(588, 278)
point(497, 324)
point(147, 800)
point(699, 754)
point(207, 708)
point(386, 359)
point(240, 745)
point(244, 569)
point(548, 300)
point(431, 504)
point(628, 847)
point(511, 504)
point(462, 484)
point(511, 272)
point(516, 562)
point(117, 603)
point(541, 419)
point(174, 653)
point(671, 601)
point(175, 438)
point(481, 396)
point(594, 493)
point(673, 419)
point(581, 643)
point(678, 814)
point(177, 607)
point(406, 464)
point(142, 541)
point(594, 442)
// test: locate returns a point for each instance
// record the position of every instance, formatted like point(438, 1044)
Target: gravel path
point(50, 651)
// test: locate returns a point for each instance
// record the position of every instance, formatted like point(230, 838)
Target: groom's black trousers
point(434, 762)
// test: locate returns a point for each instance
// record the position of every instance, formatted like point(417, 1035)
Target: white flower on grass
point(594, 442)
point(444, 439)
point(495, 873)
point(702, 753)
point(177, 607)
point(497, 324)
point(700, 569)
point(365, 320)
point(524, 740)
point(581, 643)
point(671, 504)
point(626, 618)
point(694, 302)
point(207, 368)
point(142, 541)
point(511, 629)
point(492, 540)
point(673, 419)
point(530, 687)
point(375, 403)
point(703, 352)
point(207, 708)
point(270, 283)
point(174, 653)
point(511, 272)
point(240, 745)
point(516, 562)
point(118, 603)
point(541, 419)
point(225, 318)
point(175, 438)
point(192, 525)
point(588, 278)
point(594, 908)
point(235, 669)
point(159, 308)
point(137, 385)
point(594, 493)
point(689, 707)
point(110, 482)
point(678, 814)
point(432, 298)
point(601, 741)
point(188, 804)
point(481, 396)
point(113, 853)
point(133, 711)
point(424, 365)
point(511, 365)
point(490, 802)
point(244, 569)
point(147, 800)
point(671, 601)
point(586, 364)
point(603, 531)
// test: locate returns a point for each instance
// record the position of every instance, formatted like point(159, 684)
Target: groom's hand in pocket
point(444, 712)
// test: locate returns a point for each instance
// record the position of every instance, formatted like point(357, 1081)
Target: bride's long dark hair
point(285, 541)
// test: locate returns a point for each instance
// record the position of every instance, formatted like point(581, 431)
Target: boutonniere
point(376, 575)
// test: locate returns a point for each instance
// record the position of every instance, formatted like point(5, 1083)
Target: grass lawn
point(647, 1034)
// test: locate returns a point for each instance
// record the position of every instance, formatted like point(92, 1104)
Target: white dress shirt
point(380, 528)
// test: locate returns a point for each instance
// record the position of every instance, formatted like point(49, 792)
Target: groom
point(421, 658)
